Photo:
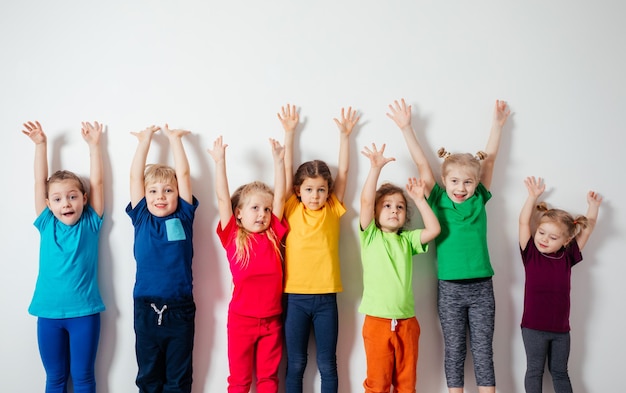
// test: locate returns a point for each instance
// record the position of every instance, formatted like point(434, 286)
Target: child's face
point(256, 212)
point(550, 237)
point(460, 183)
point(162, 198)
point(313, 192)
point(391, 213)
point(66, 201)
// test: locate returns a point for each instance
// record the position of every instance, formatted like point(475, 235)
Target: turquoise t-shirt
point(67, 284)
point(387, 260)
point(462, 251)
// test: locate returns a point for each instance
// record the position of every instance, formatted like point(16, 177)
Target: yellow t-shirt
point(312, 247)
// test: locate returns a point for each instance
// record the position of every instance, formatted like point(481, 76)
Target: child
point(312, 273)
point(162, 209)
point(390, 330)
point(548, 257)
point(67, 299)
point(251, 229)
point(465, 296)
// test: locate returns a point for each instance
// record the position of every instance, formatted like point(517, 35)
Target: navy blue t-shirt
point(163, 251)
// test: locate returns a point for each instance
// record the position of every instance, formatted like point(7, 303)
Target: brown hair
point(391, 189)
point(60, 176)
point(573, 226)
point(312, 169)
point(243, 239)
point(465, 160)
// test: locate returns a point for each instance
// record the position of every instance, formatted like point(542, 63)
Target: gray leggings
point(467, 307)
point(555, 347)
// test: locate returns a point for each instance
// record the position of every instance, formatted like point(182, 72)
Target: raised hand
point(91, 133)
point(289, 117)
point(34, 132)
point(348, 121)
point(146, 133)
point(219, 150)
point(400, 113)
point(535, 187)
point(376, 157)
point(416, 188)
point(278, 150)
point(594, 199)
point(176, 133)
point(501, 113)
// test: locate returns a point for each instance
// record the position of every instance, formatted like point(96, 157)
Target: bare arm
point(137, 167)
point(594, 200)
point(345, 125)
point(181, 164)
point(535, 187)
point(368, 194)
point(289, 118)
point(416, 190)
point(91, 135)
point(221, 182)
point(500, 115)
point(278, 153)
point(400, 113)
point(36, 134)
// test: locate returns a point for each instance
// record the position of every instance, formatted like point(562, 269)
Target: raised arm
point(278, 153)
point(289, 118)
point(594, 200)
point(36, 134)
point(400, 113)
point(416, 190)
point(138, 166)
point(345, 125)
point(500, 114)
point(224, 206)
point(535, 187)
point(368, 194)
point(91, 134)
point(181, 164)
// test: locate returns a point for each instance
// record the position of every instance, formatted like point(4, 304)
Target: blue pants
point(68, 347)
point(164, 334)
point(555, 347)
point(320, 312)
point(463, 308)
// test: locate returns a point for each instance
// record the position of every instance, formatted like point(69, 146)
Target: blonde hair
point(465, 160)
point(159, 173)
point(243, 240)
point(573, 226)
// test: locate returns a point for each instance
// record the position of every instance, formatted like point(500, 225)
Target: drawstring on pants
point(159, 312)
point(394, 323)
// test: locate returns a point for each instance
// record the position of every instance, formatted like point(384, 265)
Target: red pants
point(391, 348)
point(254, 342)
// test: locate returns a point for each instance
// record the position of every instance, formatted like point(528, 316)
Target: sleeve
point(573, 252)
point(136, 212)
point(414, 238)
point(484, 193)
point(280, 226)
point(367, 235)
point(44, 219)
point(336, 206)
point(226, 234)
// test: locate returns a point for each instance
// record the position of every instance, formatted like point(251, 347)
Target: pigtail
point(442, 153)
point(481, 155)
point(573, 226)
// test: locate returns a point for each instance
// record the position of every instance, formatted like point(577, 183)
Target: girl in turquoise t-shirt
point(390, 330)
point(465, 292)
point(67, 300)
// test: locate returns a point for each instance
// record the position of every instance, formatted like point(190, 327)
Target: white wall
point(227, 67)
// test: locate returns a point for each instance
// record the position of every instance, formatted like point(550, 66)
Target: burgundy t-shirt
point(547, 289)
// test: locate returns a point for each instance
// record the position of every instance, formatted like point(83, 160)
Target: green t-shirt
point(462, 251)
point(387, 260)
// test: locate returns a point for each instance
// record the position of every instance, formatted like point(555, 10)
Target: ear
point(85, 199)
point(238, 213)
point(48, 203)
point(296, 190)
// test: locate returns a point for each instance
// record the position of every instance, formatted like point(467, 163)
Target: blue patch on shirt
point(175, 231)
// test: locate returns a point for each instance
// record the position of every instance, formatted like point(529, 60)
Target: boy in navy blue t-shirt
point(162, 208)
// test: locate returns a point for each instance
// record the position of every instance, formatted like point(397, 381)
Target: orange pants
point(391, 348)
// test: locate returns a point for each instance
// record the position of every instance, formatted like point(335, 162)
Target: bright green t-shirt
point(387, 260)
point(462, 251)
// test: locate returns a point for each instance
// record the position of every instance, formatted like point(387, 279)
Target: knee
point(327, 366)
point(296, 364)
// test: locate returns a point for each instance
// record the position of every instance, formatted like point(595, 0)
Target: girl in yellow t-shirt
point(312, 274)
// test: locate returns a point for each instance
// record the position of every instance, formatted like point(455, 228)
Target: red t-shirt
point(258, 286)
point(547, 289)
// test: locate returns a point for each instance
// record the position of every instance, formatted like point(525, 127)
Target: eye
point(151, 191)
point(400, 207)
point(57, 199)
point(308, 189)
point(267, 210)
